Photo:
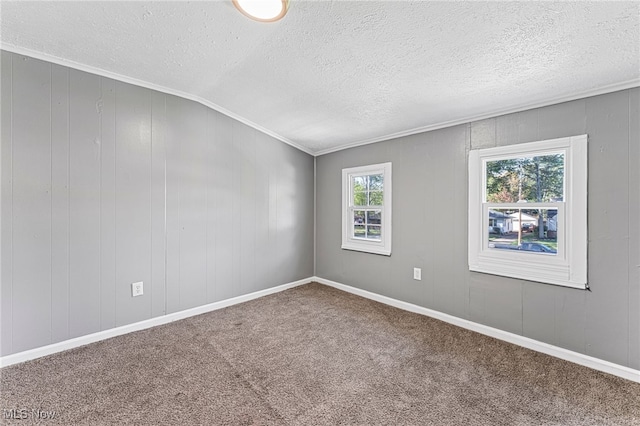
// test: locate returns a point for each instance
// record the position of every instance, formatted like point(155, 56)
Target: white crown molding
point(630, 84)
point(436, 126)
point(516, 339)
point(148, 85)
point(142, 325)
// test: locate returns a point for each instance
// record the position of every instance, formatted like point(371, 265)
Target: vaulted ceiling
point(340, 73)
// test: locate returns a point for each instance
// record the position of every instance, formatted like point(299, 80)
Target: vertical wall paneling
point(102, 187)
point(223, 192)
point(84, 204)
point(303, 214)
point(634, 229)
point(603, 323)
point(59, 203)
point(328, 223)
point(371, 274)
point(31, 162)
point(133, 202)
point(209, 154)
point(476, 305)
point(501, 301)
point(6, 204)
point(570, 316)
point(186, 204)
point(426, 232)
point(519, 127)
point(192, 119)
point(158, 217)
point(495, 300)
point(460, 226)
point(244, 141)
point(538, 315)
point(543, 304)
point(236, 209)
point(562, 120)
point(173, 142)
point(443, 219)
point(106, 107)
point(607, 328)
point(263, 148)
point(105, 184)
point(483, 134)
point(315, 209)
point(413, 190)
point(284, 213)
point(272, 256)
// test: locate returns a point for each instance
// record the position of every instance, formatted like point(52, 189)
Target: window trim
point(569, 267)
point(383, 246)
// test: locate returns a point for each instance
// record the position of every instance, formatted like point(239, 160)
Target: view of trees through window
point(537, 179)
point(531, 179)
point(367, 201)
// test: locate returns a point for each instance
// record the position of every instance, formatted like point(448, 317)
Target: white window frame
point(569, 266)
point(349, 242)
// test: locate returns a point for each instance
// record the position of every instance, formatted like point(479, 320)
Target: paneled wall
point(105, 184)
point(430, 228)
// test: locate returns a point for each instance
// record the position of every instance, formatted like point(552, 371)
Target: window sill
point(528, 270)
point(366, 249)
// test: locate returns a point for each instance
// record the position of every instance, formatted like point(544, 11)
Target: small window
point(366, 209)
point(528, 211)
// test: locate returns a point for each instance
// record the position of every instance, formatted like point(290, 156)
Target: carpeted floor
point(312, 355)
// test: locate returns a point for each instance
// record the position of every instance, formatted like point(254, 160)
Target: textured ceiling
point(338, 73)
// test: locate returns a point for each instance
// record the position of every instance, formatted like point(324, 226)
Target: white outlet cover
point(137, 289)
point(417, 274)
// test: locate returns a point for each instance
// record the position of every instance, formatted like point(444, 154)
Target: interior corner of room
point(126, 204)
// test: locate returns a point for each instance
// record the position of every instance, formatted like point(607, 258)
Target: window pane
point(359, 198)
point(375, 198)
point(373, 232)
point(358, 216)
point(374, 217)
point(375, 182)
point(530, 230)
point(532, 179)
point(359, 231)
point(359, 183)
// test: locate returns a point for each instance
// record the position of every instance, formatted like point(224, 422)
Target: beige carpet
point(313, 355)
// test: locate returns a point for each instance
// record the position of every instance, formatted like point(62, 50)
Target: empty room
point(320, 212)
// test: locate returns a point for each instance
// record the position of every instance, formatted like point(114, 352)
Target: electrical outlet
point(417, 274)
point(136, 289)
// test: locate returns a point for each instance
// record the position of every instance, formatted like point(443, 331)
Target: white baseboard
point(152, 322)
point(565, 354)
point(516, 339)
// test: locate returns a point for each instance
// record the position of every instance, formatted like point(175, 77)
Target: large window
point(528, 211)
point(366, 208)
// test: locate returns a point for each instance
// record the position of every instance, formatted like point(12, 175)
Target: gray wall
point(430, 229)
point(105, 184)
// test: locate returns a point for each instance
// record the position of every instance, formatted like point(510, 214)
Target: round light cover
point(262, 10)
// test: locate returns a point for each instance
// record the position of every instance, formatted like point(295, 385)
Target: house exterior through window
point(366, 209)
point(528, 211)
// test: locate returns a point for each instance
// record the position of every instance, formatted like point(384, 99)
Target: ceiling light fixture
point(262, 10)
